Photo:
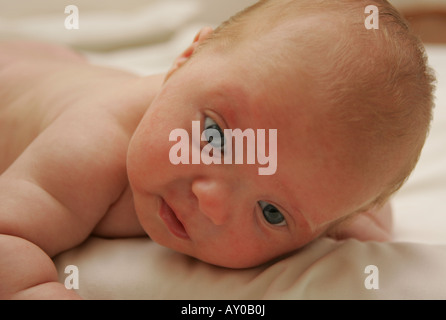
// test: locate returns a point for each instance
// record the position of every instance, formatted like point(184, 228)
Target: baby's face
point(229, 214)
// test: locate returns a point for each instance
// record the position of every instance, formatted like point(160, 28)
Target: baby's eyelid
point(208, 121)
point(217, 118)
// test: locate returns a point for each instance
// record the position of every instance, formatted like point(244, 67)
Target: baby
point(85, 149)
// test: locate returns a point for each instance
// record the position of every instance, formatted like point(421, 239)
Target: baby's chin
point(226, 263)
point(242, 263)
point(232, 260)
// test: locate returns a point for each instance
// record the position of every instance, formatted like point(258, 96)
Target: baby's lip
point(172, 222)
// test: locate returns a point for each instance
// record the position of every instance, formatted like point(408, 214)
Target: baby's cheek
point(144, 147)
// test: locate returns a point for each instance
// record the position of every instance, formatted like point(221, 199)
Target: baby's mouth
point(172, 222)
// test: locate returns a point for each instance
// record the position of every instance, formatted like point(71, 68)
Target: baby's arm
point(26, 272)
point(53, 196)
point(30, 231)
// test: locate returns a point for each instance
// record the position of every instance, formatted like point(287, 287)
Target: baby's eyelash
point(210, 126)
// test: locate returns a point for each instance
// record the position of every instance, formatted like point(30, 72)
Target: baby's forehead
point(264, 99)
point(260, 84)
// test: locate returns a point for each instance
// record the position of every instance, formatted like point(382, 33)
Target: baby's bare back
point(21, 114)
point(64, 131)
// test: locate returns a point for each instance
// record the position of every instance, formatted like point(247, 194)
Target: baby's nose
point(214, 199)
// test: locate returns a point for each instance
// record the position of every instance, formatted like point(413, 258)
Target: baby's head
point(351, 107)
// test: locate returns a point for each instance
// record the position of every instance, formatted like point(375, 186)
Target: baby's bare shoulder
point(31, 92)
point(67, 147)
point(65, 127)
point(19, 49)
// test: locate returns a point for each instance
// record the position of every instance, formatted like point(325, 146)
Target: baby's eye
point(272, 214)
point(217, 141)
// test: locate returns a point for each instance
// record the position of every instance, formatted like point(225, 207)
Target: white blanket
point(144, 36)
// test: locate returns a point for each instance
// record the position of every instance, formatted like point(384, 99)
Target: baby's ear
point(201, 36)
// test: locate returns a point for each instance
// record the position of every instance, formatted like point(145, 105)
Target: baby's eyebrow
point(221, 104)
point(232, 101)
point(294, 205)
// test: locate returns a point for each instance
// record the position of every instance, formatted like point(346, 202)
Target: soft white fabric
point(144, 36)
point(141, 269)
